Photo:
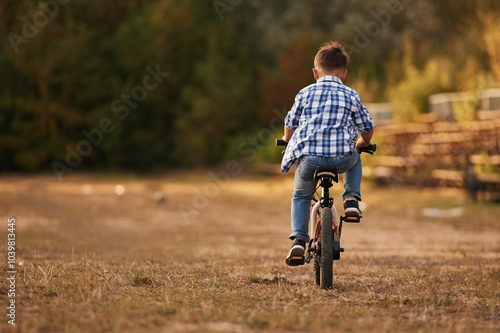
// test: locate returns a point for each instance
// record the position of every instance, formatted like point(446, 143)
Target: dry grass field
point(89, 260)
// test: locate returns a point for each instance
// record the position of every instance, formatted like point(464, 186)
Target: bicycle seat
point(326, 171)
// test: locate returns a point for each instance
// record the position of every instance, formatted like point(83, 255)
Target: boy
point(321, 129)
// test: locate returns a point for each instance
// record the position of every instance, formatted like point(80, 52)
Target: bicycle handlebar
point(370, 149)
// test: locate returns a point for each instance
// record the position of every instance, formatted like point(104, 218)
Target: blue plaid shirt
point(326, 117)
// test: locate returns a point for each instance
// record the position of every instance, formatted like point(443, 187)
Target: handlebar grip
point(370, 149)
point(280, 142)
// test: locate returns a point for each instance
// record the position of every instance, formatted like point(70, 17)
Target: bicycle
point(325, 225)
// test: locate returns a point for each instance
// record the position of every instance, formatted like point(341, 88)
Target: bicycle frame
point(313, 220)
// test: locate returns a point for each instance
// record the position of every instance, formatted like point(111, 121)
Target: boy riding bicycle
point(321, 129)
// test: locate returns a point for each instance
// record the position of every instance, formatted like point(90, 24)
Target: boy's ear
point(316, 74)
point(343, 76)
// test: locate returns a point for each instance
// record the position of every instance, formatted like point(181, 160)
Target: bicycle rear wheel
point(326, 255)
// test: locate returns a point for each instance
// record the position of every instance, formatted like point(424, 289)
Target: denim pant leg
point(303, 193)
point(352, 170)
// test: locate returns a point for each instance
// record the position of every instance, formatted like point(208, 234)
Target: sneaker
point(297, 250)
point(351, 208)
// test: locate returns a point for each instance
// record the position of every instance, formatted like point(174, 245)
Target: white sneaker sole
point(296, 251)
point(353, 212)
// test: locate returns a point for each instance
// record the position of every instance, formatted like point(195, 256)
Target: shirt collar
point(331, 78)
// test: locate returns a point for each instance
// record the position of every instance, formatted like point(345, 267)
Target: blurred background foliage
point(233, 70)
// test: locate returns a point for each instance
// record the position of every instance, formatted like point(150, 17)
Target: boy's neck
point(340, 73)
point(328, 74)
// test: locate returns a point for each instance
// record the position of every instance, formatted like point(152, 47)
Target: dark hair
point(331, 56)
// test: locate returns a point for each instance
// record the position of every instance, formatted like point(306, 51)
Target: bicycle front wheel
point(326, 256)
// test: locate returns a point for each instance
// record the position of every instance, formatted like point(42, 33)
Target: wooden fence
point(438, 153)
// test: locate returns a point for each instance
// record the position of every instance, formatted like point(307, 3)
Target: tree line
point(155, 85)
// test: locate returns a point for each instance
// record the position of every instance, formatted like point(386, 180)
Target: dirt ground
point(210, 258)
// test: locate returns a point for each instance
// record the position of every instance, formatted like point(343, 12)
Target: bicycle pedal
point(295, 260)
point(352, 219)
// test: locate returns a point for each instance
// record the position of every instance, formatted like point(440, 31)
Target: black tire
point(317, 273)
point(326, 256)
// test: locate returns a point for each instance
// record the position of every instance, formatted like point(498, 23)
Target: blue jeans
point(305, 187)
